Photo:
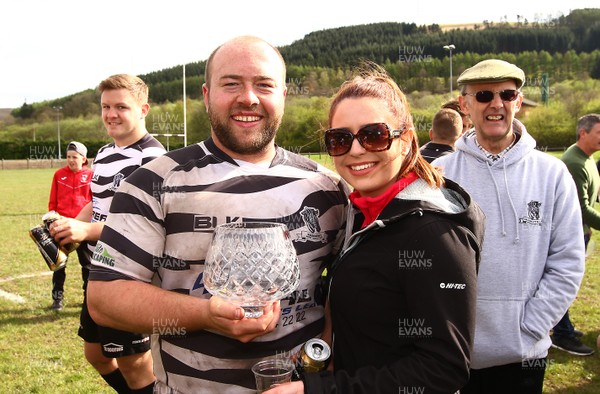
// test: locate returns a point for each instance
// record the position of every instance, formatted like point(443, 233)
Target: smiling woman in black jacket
point(402, 292)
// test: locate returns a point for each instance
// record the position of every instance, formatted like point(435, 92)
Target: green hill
point(564, 51)
point(408, 51)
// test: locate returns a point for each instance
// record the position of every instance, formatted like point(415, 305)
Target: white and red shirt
point(70, 191)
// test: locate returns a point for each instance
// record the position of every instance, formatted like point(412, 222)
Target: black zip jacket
point(402, 298)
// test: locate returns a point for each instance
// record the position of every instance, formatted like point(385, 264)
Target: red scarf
point(371, 207)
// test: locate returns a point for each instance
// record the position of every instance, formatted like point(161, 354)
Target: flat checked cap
point(492, 70)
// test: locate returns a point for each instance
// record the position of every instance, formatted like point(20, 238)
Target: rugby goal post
point(184, 135)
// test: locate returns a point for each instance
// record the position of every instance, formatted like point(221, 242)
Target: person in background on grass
point(533, 254)
point(455, 105)
point(402, 291)
point(122, 358)
point(579, 159)
point(446, 128)
point(69, 193)
point(151, 253)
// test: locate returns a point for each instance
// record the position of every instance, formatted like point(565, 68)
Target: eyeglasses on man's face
point(485, 96)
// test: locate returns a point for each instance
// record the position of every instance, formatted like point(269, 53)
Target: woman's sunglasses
point(374, 137)
point(485, 96)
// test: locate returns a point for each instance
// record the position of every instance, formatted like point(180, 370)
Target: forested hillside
point(566, 47)
point(563, 51)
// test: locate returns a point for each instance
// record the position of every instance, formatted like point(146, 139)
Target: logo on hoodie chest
point(533, 214)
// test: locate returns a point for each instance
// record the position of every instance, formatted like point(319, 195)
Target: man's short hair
point(455, 105)
point(446, 125)
point(587, 123)
point(135, 85)
point(242, 39)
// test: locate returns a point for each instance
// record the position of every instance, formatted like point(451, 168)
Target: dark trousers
point(58, 284)
point(59, 276)
point(564, 328)
point(526, 377)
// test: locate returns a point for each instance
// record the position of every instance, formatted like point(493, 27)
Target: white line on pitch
point(12, 297)
point(25, 276)
point(15, 297)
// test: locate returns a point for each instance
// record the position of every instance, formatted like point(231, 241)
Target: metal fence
point(33, 163)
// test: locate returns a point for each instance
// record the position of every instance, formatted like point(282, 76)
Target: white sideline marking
point(25, 276)
point(12, 297)
point(15, 297)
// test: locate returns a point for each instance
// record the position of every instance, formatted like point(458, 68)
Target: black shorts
point(115, 343)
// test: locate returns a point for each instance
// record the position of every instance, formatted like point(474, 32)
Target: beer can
point(49, 218)
point(314, 356)
point(54, 256)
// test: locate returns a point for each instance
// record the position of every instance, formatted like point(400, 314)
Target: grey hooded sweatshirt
point(533, 254)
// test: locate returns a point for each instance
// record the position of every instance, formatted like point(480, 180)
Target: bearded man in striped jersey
point(149, 262)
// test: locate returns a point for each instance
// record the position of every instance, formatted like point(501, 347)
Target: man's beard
point(259, 142)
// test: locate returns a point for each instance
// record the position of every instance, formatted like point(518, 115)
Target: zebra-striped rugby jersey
point(111, 166)
point(161, 224)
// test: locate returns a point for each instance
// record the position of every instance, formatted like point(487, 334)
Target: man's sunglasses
point(485, 96)
point(374, 137)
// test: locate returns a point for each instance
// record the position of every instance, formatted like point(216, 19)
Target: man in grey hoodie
point(533, 254)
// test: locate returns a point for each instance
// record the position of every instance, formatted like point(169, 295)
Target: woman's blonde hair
point(374, 82)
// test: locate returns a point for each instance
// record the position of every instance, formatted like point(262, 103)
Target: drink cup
point(272, 372)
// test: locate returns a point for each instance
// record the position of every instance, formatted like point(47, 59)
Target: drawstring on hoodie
point(517, 238)
point(489, 167)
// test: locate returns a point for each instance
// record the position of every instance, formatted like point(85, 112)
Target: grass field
point(40, 351)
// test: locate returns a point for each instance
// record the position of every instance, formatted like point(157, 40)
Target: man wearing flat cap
point(533, 254)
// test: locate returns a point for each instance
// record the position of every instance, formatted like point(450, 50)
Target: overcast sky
point(51, 49)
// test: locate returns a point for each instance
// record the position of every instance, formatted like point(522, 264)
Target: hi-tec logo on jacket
point(533, 214)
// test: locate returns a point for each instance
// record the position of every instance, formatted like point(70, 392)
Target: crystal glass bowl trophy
point(251, 264)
